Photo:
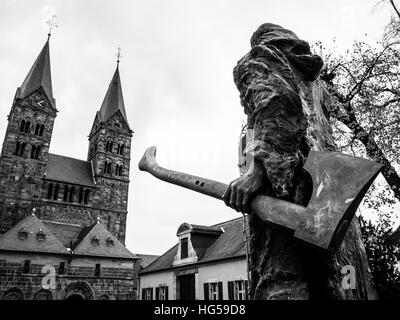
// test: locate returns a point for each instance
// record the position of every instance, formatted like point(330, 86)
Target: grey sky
point(176, 74)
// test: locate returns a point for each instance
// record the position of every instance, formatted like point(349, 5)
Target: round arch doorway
point(78, 291)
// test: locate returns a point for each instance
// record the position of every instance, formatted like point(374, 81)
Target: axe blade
point(340, 182)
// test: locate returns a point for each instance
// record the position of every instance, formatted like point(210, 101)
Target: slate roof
point(39, 76)
point(114, 100)
point(229, 244)
point(146, 259)
point(60, 236)
point(70, 170)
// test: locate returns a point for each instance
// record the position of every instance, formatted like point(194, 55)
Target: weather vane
point(118, 55)
point(52, 24)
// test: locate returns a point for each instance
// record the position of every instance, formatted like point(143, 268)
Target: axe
point(339, 182)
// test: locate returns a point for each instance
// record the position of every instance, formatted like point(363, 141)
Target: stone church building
point(55, 200)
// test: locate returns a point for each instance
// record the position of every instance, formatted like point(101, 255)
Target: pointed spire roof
point(39, 76)
point(113, 101)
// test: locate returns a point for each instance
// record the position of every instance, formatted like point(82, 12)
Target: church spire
point(39, 76)
point(113, 101)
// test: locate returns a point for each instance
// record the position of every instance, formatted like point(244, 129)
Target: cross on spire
point(118, 55)
point(52, 24)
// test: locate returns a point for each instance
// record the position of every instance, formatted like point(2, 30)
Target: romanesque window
point(23, 234)
point(107, 167)
point(118, 170)
point(49, 191)
point(86, 197)
point(65, 197)
point(27, 266)
point(97, 270)
point(80, 200)
point(95, 241)
point(39, 129)
point(120, 148)
point(61, 268)
point(24, 127)
point(110, 242)
point(56, 190)
point(20, 148)
point(40, 236)
point(35, 152)
point(109, 146)
point(71, 194)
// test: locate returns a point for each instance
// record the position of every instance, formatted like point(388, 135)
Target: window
point(97, 270)
point(110, 242)
point(162, 293)
point(184, 248)
point(65, 197)
point(71, 194)
point(107, 167)
point(61, 268)
point(27, 266)
point(147, 294)
point(49, 191)
point(56, 190)
point(213, 291)
point(40, 236)
point(80, 200)
point(86, 198)
point(118, 170)
point(109, 146)
point(20, 148)
point(23, 234)
point(237, 290)
point(35, 152)
point(95, 241)
point(120, 149)
point(39, 129)
point(24, 127)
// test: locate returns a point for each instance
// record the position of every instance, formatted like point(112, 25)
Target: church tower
point(109, 152)
point(26, 144)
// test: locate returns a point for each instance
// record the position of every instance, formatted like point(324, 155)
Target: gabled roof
point(85, 247)
point(114, 100)
point(39, 76)
point(51, 244)
point(229, 244)
point(69, 170)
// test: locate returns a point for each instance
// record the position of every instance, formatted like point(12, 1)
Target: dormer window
point(95, 241)
point(184, 248)
point(23, 234)
point(110, 242)
point(40, 236)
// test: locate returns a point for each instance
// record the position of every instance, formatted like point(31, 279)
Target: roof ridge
point(60, 155)
point(58, 222)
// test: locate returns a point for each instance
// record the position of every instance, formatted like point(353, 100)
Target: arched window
point(17, 148)
point(107, 167)
point(33, 151)
point(22, 126)
point(86, 199)
point(49, 191)
point(120, 148)
point(65, 198)
point(56, 189)
point(109, 146)
point(39, 129)
point(118, 170)
point(27, 125)
point(71, 194)
point(22, 149)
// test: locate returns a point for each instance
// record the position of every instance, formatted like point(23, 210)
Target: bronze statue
point(282, 190)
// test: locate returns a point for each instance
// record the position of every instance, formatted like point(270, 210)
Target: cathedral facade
point(56, 187)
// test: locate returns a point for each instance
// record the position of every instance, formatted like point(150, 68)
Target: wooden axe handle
point(269, 209)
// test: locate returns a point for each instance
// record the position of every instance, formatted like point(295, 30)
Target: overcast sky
point(176, 75)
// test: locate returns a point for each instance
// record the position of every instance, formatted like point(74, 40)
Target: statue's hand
point(241, 190)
